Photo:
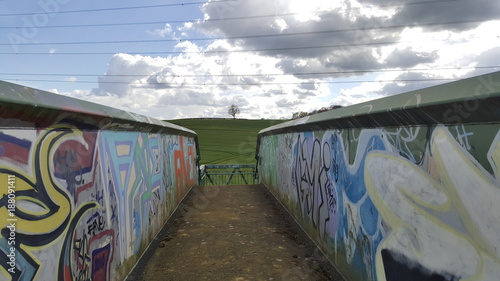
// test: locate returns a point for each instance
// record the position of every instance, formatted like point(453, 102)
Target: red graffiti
point(184, 168)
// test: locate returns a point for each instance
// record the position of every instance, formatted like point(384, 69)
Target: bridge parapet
point(89, 185)
point(401, 188)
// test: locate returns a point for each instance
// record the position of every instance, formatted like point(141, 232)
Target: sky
point(190, 59)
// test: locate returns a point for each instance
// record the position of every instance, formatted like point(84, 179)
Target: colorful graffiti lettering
point(452, 199)
point(403, 203)
point(44, 208)
point(347, 213)
point(313, 183)
point(88, 199)
point(100, 262)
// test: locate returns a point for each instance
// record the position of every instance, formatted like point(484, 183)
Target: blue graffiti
point(361, 234)
point(332, 194)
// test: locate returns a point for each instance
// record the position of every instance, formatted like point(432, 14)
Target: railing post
point(201, 174)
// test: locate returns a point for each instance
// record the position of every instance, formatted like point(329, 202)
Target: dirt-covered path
point(235, 233)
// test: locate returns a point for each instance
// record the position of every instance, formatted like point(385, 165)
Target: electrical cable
point(255, 75)
point(183, 85)
point(226, 51)
point(209, 19)
point(120, 8)
point(246, 36)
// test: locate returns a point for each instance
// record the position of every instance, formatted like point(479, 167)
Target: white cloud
point(281, 24)
point(195, 83)
point(161, 32)
point(186, 26)
point(208, 76)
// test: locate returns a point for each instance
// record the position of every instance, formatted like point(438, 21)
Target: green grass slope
point(226, 141)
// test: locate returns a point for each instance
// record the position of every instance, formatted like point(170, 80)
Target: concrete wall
point(91, 185)
point(403, 188)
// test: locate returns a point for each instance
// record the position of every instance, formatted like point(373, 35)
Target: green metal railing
point(228, 174)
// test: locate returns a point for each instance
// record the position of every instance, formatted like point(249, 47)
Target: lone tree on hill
point(233, 110)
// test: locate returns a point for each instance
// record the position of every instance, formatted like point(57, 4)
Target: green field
point(226, 141)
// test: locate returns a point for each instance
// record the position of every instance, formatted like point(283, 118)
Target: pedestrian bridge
point(401, 188)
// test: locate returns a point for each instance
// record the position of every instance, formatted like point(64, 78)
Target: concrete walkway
point(235, 233)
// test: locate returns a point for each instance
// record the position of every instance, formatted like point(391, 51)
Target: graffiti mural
point(86, 200)
point(409, 203)
point(451, 198)
point(332, 195)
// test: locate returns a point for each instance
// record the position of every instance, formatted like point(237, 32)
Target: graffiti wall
point(388, 203)
point(82, 201)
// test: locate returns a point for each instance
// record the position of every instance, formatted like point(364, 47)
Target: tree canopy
point(232, 110)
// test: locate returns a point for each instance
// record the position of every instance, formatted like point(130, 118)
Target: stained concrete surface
point(235, 233)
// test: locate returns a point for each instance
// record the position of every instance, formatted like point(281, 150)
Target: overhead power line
point(249, 36)
point(205, 20)
point(120, 8)
point(226, 51)
point(164, 21)
point(212, 52)
point(425, 2)
point(255, 74)
point(173, 85)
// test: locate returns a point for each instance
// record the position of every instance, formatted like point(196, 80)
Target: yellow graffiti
point(442, 214)
point(43, 208)
point(56, 194)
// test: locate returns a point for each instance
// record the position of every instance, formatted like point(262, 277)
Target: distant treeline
point(208, 118)
point(301, 114)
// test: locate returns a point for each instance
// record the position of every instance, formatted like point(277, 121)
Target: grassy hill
point(226, 141)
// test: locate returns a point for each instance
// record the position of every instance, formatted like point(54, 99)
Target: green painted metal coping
point(426, 106)
point(24, 107)
point(18, 96)
point(472, 100)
